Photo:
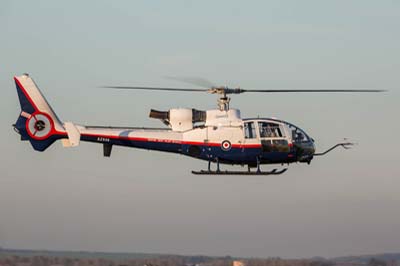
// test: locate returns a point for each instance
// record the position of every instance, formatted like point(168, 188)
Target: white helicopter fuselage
point(222, 136)
point(215, 135)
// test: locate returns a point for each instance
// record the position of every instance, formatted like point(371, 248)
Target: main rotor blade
point(202, 82)
point(226, 90)
point(318, 90)
point(153, 88)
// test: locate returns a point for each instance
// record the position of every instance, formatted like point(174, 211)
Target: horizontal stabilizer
point(74, 136)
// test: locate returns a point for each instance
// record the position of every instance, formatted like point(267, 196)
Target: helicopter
point(218, 136)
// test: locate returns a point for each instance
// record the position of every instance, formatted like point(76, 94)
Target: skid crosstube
point(207, 172)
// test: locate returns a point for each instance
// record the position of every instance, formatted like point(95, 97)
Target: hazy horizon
point(74, 199)
point(86, 253)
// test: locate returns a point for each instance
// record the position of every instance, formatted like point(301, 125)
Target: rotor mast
point(223, 103)
point(223, 100)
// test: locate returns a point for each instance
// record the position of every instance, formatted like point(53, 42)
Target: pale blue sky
point(345, 203)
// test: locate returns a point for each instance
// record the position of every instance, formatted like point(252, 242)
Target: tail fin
point(37, 122)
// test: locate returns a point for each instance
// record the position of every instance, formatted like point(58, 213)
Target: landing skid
point(209, 172)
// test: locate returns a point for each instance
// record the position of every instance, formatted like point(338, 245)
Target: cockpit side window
point(249, 130)
point(298, 135)
point(269, 130)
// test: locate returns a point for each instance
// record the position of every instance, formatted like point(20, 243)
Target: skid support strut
point(258, 165)
point(218, 170)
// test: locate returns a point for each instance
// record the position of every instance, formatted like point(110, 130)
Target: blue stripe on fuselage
point(203, 152)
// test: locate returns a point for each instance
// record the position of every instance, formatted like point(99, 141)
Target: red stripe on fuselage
point(211, 144)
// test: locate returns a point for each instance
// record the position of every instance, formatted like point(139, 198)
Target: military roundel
point(226, 145)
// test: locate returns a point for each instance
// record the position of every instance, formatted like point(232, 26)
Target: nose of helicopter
point(306, 151)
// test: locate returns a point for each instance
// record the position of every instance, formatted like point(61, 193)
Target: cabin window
point(269, 130)
point(249, 130)
point(298, 135)
point(275, 145)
